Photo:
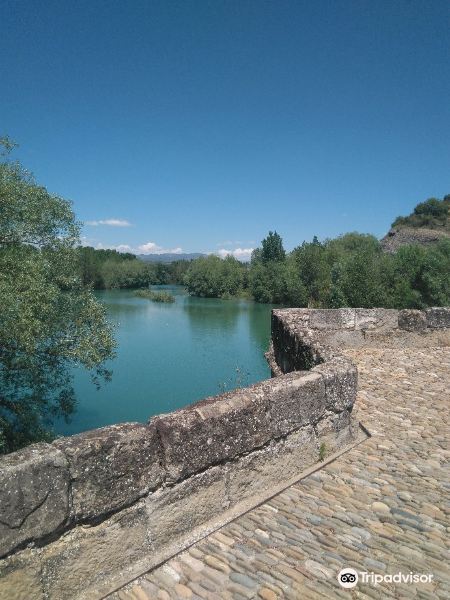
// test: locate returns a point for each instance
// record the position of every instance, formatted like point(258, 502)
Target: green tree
point(336, 298)
point(420, 276)
point(296, 293)
point(49, 321)
point(203, 277)
point(433, 207)
point(312, 270)
point(267, 274)
point(214, 277)
point(272, 248)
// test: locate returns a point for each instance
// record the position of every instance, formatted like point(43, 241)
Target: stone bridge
point(266, 492)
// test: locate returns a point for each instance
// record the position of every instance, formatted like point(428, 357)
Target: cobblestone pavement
point(381, 507)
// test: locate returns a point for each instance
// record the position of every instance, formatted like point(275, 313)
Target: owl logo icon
point(348, 578)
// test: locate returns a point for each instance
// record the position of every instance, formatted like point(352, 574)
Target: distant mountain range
point(169, 257)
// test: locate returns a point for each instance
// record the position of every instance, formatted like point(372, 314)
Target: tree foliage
point(109, 269)
point(272, 248)
point(49, 321)
point(214, 277)
point(432, 214)
point(351, 270)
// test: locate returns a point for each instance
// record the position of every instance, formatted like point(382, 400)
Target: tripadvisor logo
point(348, 578)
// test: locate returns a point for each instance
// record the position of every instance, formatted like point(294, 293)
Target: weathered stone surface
point(378, 507)
point(341, 383)
point(34, 494)
point(382, 319)
point(174, 511)
point(20, 577)
point(335, 431)
point(292, 349)
point(264, 469)
point(84, 557)
point(300, 342)
point(438, 317)
point(399, 236)
point(214, 430)
point(297, 399)
point(429, 338)
point(338, 338)
point(412, 320)
point(338, 318)
point(111, 467)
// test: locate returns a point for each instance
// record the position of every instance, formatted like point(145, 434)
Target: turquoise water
point(170, 355)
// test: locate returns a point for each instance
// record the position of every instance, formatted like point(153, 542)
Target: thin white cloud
point(123, 248)
point(109, 222)
point(243, 254)
point(152, 248)
point(147, 248)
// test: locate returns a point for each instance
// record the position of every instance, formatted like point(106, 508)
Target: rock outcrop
point(400, 236)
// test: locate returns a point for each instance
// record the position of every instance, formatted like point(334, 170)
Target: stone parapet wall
point(303, 337)
point(101, 507)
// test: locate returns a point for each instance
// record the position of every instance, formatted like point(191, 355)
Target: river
point(170, 355)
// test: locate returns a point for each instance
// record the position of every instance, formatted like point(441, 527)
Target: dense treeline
point(351, 270)
point(108, 269)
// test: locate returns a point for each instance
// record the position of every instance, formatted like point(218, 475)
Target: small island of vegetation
point(155, 296)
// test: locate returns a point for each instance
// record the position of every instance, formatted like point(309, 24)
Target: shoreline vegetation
point(351, 270)
point(158, 296)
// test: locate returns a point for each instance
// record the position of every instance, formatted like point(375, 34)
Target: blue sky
point(201, 125)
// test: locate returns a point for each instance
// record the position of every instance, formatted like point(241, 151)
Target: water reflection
point(211, 313)
point(170, 355)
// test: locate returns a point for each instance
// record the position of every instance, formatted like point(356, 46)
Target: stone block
point(438, 318)
point(296, 399)
point(265, 469)
point(412, 320)
point(175, 511)
point(337, 318)
point(83, 558)
point(20, 577)
point(213, 430)
point(290, 317)
point(341, 383)
point(336, 431)
point(381, 319)
point(111, 467)
point(34, 495)
point(344, 338)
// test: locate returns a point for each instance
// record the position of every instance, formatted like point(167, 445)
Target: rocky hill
point(399, 236)
point(427, 224)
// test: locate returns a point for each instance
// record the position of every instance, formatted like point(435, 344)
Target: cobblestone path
point(383, 507)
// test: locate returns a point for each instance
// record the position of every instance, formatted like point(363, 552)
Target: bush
point(433, 214)
point(155, 296)
point(214, 277)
